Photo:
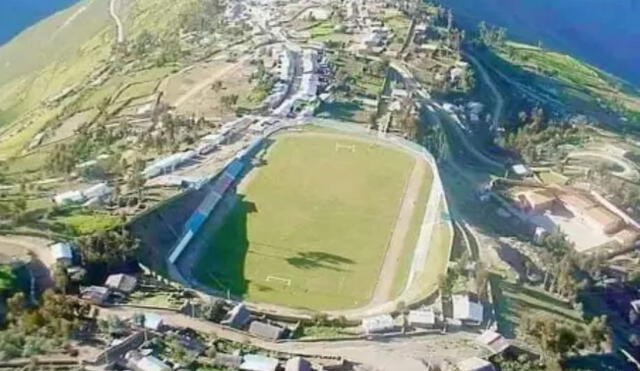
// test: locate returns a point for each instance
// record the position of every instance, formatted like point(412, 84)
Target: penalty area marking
point(285, 281)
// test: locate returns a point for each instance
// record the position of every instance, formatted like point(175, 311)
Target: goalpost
point(284, 281)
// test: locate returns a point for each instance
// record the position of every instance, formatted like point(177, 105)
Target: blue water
point(16, 15)
point(605, 33)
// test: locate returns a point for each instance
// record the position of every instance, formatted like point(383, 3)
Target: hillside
point(66, 58)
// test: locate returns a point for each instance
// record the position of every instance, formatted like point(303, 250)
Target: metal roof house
point(238, 317)
point(265, 330)
point(121, 282)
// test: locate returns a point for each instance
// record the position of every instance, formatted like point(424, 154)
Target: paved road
point(499, 100)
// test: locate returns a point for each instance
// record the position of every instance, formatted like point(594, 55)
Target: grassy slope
point(62, 51)
point(575, 81)
point(514, 302)
point(307, 218)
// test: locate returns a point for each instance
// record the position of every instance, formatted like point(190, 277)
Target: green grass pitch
point(312, 223)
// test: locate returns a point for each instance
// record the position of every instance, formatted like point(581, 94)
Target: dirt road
point(394, 354)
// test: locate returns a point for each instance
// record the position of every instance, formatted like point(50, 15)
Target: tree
point(108, 247)
point(61, 278)
point(217, 86)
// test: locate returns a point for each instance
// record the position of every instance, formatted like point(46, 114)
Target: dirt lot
point(191, 90)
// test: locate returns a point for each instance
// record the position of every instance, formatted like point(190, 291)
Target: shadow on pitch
point(318, 259)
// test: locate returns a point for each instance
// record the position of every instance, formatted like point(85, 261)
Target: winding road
point(499, 100)
point(114, 14)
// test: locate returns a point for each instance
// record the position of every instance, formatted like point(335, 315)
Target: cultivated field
point(314, 221)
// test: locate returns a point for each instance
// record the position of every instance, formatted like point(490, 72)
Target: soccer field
point(312, 222)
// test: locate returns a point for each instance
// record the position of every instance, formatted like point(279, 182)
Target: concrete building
point(153, 321)
point(95, 294)
point(422, 318)
point(255, 362)
point(265, 330)
point(62, 252)
point(99, 191)
point(592, 213)
point(297, 364)
point(71, 197)
point(378, 324)
point(536, 201)
point(138, 362)
point(123, 283)
point(467, 310)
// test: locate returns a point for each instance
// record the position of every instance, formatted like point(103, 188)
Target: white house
point(377, 324)
point(422, 318)
point(62, 252)
point(99, 190)
point(70, 197)
point(467, 310)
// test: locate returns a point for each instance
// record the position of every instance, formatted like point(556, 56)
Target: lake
point(16, 15)
point(605, 33)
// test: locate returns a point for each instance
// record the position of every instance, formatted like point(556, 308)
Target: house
point(153, 321)
point(123, 283)
point(592, 213)
point(467, 310)
point(62, 253)
point(97, 191)
point(635, 306)
point(537, 201)
point(265, 330)
point(147, 363)
point(422, 318)
point(95, 294)
point(231, 361)
point(521, 170)
point(475, 364)
point(255, 362)
point(238, 317)
point(297, 364)
point(71, 197)
point(378, 324)
point(493, 341)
